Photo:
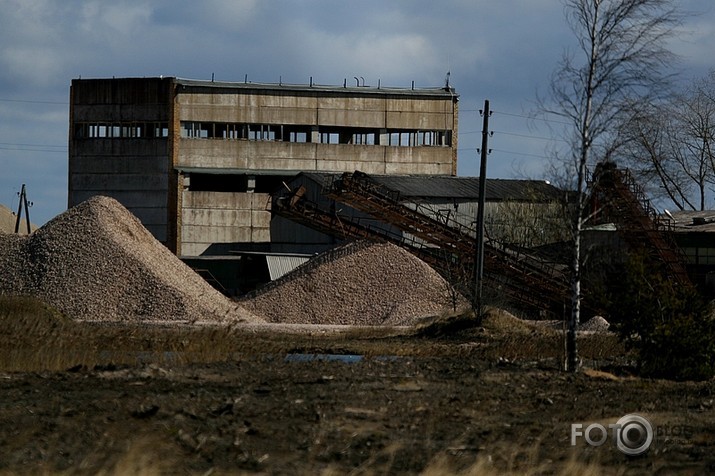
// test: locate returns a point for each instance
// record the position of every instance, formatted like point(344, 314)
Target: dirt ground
point(474, 401)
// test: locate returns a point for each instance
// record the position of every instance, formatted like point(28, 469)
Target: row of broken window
point(320, 134)
point(132, 130)
point(266, 132)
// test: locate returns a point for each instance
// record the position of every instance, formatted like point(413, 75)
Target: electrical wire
point(28, 101)
point(33, 149)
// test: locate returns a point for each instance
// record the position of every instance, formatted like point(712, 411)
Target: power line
point(532, 118)
point(16, 149)
point(530, 137)
point(515, 134)
point(511, 114)
point(511, 152)
point(28, 101)
point(520, 153)
point(33, 145)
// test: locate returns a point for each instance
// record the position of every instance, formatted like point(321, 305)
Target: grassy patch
point(36, 337)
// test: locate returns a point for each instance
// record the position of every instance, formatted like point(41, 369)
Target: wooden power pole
point(477, 303)
point(23, 204)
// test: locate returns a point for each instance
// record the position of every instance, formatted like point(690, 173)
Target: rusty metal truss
point(617, 198)
point(437, 239)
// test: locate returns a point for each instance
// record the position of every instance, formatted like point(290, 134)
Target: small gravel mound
point(97, 262)
point(595, 324)
point(361, 283)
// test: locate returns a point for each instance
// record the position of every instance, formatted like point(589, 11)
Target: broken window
point(195, 130)
point(125, 130)
point(304, 134)
point(329, 138)
point(261, 132)
point(299, 134)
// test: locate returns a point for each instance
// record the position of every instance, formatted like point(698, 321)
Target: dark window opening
point(236, 183)
point(303, 134)
point(299, 134)
point(218, 183)
point(349, 135)
point(270, 183)
point(124, 130)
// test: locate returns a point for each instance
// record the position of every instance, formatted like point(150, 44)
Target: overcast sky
point(499, 50)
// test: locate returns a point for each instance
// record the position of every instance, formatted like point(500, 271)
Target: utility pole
point(477, 304)
point(23, 203)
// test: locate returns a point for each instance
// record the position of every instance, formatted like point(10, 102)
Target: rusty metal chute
point(441, 241)
point(617, 198)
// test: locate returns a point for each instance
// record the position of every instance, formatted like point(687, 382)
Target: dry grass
point(36, 337)
point(151, 455)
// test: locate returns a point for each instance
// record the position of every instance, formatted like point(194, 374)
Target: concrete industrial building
point(196, 161)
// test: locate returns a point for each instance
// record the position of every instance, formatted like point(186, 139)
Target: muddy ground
point(474, 401)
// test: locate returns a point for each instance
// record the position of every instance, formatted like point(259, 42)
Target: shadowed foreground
point(446, 399)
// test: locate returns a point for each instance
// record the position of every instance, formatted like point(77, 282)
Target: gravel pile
point(361, 283)
point(595, 324)
point(97, 262)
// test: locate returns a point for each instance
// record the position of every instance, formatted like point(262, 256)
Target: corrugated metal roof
point(692, 221)
point(278, 265)
point(439, 186)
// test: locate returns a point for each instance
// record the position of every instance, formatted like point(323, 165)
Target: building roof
point(440, 186)
point(691, 221)
point(346, 88)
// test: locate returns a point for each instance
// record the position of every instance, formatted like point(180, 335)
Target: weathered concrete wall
point(248, 108)
point(380, 113)
point(289, 156)
point(135, 171)
point(310, 109)
point(223, 217)
point(139, 182)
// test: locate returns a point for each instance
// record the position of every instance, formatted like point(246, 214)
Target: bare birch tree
point(621, 56)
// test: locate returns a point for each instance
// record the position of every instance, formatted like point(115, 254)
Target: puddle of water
point(345, 358)
point(147, 357)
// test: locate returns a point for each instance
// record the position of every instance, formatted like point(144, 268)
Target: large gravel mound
point(361, 283)
point(97, 262)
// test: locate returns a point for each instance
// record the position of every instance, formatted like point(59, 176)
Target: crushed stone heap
point(360, 283)
point(595, 324)
point(97, 262)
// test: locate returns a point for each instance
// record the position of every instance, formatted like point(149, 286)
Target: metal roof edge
point(375, 90)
